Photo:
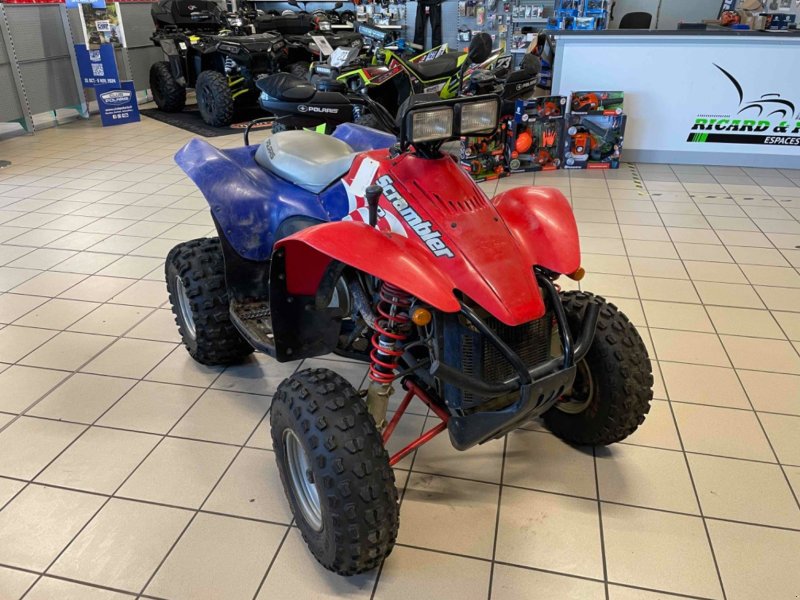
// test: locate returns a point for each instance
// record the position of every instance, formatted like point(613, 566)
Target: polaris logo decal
point(527, 84)
point(424, 229)
point(116, 97)
point(317, 109)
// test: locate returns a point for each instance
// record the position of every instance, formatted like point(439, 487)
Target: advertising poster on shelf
point(98, 66)
point(102, 23)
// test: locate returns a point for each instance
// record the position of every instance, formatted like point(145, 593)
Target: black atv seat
point(437, 67)
point(522, 75)
point(286, 87)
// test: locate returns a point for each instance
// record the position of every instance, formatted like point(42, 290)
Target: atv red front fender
point(543, 225)
point(387, 256)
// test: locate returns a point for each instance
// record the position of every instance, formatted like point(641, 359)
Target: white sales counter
point(693, 97)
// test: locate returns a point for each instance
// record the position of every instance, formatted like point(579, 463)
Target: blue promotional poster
point(117, 103)
point(97, 67)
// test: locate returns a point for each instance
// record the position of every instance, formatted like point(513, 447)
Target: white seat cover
point(310, 160)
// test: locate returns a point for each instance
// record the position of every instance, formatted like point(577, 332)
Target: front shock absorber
point(391, 331)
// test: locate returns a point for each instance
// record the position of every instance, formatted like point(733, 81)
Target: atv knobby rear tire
point(355, 527)
point(168, 94)
point(214, 98)
point(614, 385)
point(195, 273)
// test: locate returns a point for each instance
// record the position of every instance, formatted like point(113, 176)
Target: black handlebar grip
point(372, 195)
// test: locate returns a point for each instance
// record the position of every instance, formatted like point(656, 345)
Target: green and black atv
point(216, 53)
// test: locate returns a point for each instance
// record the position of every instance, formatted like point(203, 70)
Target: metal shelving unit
point(503, 25)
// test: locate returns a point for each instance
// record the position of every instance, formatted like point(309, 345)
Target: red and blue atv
point(389, 253)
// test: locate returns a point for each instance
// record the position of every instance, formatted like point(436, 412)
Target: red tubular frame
point(414, 390)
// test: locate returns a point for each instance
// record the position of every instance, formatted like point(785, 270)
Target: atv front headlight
point(478, 117)
point(235, 22)
point(426, 118)
point(435, 124)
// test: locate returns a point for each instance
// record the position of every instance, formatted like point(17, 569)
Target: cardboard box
point(594, 141)
point(535, 138)
point(484, 157)
point(596, 103)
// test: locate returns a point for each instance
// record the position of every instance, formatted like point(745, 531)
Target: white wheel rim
point(301, 479)
point(185, 307)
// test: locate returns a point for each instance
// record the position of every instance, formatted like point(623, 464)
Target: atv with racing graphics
point(389, 253)
point(215, 52)
point(372, 94)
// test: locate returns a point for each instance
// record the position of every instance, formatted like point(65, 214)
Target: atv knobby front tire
point(614, 383)
point(214, 98)
point(168, 94)
point(353, 525)
point(195, 273)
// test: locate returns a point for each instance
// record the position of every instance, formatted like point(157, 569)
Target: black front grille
point(530, 341)
point(480, 358)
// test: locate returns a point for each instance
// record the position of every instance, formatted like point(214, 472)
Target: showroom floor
point(125, 466)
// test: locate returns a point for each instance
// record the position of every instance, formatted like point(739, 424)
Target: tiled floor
point(128, 470)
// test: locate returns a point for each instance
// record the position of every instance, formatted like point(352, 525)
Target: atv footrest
point(254, 322)
point(535, 398)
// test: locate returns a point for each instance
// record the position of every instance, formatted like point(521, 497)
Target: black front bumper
point(539, 387)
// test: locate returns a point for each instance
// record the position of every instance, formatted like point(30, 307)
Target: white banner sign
point(686, 94)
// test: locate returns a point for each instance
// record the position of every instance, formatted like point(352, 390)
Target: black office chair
point(636, 20)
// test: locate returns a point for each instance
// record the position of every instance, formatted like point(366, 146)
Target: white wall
point(673, 12)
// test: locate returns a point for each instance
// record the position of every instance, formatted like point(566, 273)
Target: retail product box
point(596, 103)
point(593, 141)
point(596, 7)
point(778, 21)
point(535, 137)
point(484, 157)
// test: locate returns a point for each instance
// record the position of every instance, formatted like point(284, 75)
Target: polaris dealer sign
point(117, 103)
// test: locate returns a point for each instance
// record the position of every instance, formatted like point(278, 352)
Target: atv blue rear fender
point(247, 202)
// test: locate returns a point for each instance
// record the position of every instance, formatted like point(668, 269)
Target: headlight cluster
point(447, 119)
point(429, 125)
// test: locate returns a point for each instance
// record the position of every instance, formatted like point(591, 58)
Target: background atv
point(396, 257)
point(213, 52)
point(304, 50)
point(372, 95)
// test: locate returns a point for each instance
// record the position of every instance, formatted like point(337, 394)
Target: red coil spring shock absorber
point(391, 330)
